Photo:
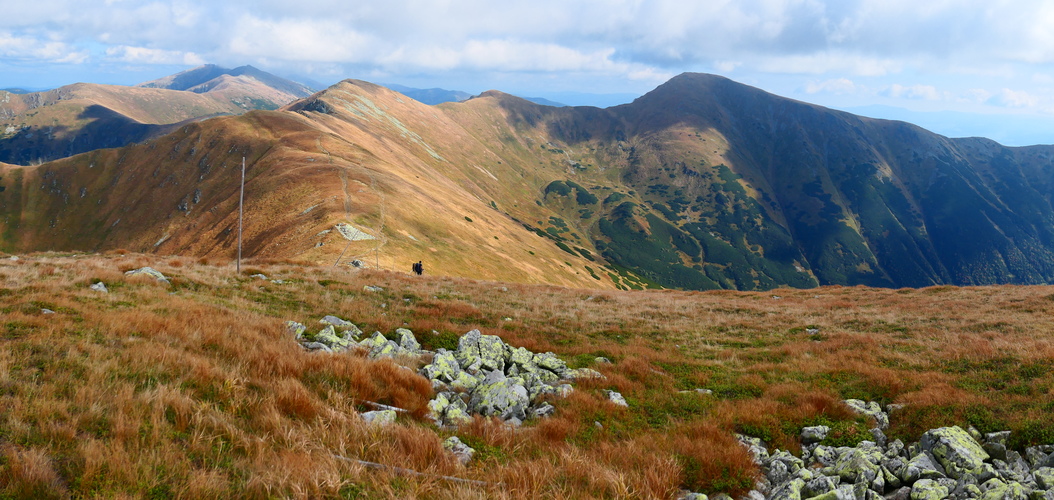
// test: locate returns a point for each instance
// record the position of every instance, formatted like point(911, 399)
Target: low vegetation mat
point(194, 387)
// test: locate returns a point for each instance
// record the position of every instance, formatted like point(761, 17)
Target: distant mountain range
point(439, 96)
point(702, 183)
point(41, 126)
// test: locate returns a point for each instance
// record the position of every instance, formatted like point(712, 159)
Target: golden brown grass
point(195, 390)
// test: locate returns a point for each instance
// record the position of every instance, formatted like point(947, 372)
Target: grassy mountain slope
point(42, 126)
point(306, 173)
point(702, 183)
point(196, 390)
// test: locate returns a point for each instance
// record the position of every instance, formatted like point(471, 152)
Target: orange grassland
point(195, 390)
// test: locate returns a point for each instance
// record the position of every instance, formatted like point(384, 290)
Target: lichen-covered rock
point(315, 346)
point(437, 407)
point(616, 398)
point(550, 362)
point(583, 373)
point(464, 382)
point(297, 330)
point(462, 451)
point(520, 356)
point(921, 466)
point(500, 396)
point(444, 367)
point(871, 409)
point(756, 447)
point(955, 450)
point(1044, 477)
point(814, 434)
point(456, 413)
point(328, 336)
point(820, 485)
point(928, 489)
point(858, 465)
point(379, 417)
point(544, 410)
point(407, 341)
point(997, 489)
point(788, 491)
point(149, 271)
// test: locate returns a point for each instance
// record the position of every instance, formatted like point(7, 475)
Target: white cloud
point(923, 92)
point(1013, 99)
point(24, 48)
point(837, 86)
point(143, 55)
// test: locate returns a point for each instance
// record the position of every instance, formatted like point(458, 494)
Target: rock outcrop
point(483, 376)
point(948, 462)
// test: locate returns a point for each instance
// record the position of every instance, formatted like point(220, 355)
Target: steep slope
point(703, 183)
point(43, 126)
point(307, 173)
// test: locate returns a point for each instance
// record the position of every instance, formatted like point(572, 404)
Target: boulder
point(1044, 477)
point(500, 396)
point(616, 398)
point(583, 373)
point(444, 367)
point(407, 341)
point(814, 434)
point(477, 352)
point(871, 409)
point(297, 330)
point(462, 451)
point(379, 417)
point(328, 336)
point(928, 489)
point(149, 271)
point(955, 450)
point(99, 287)
point(858, 465)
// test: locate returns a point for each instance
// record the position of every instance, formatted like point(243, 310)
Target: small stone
point(616, 398)
point(581, 373)
point(149, 271)
point(371, 288)
point(703, 392)
point(46, 311)
point(99, 287)
point(462, 451)
point(259, 276)
point(379, 417)
point(602, 360)
point(545, 410)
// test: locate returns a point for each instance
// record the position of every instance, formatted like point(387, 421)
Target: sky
point(973, 67)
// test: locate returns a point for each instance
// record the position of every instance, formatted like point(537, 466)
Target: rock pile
point(483, 376)
point(948, 462)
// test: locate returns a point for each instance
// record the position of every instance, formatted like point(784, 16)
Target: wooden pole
point(241, 212)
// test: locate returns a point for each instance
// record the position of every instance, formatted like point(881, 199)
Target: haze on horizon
point(970, 67)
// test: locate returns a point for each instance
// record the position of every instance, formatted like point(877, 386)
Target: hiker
point(419, 268)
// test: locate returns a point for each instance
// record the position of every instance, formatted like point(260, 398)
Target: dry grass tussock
point(195, 390)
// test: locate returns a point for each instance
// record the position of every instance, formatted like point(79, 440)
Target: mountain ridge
point(702, 183)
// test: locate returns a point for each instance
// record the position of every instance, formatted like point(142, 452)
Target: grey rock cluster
point(486, 376)
point(948, 462)
point(483, 376)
